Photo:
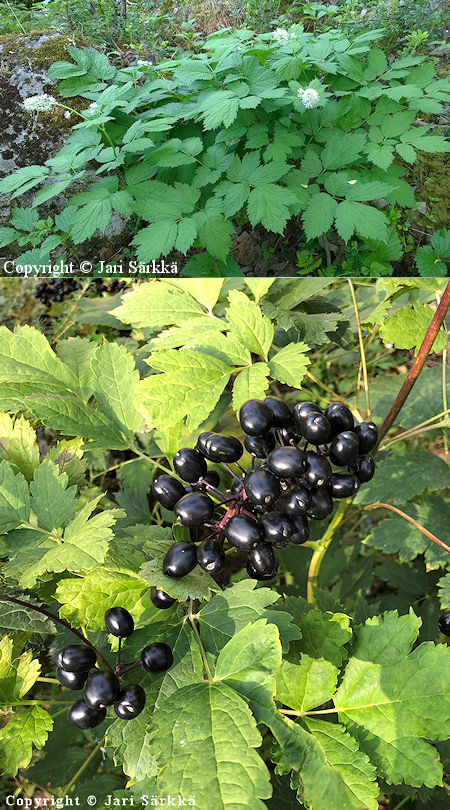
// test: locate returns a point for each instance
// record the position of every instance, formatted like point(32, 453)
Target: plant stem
point(416, 428)
point(47, 680)
point(120, 671)
point(409, 519)
point(80, 770)
point(306, 714)
point(317, 557)
point(361, 347)
point(419, 361)
point(42, 702)
point(199, 641)
point(4, 598)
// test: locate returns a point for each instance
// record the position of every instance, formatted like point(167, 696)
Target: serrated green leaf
point(77, 353)
point(323, 635)
point(18, 444)
point(269, 205)
point(26, 620)
point(368, 222)
point(251, 383)
point(214, 232)
point(230, 611)
point(156, 304)
point(406, 329)
point(18, 673)
point(51, 501)
point(428, 263)
point(319, 214)
point(444, 591)
point(189, 389)
point(391, 702)
point(115, 385)
point(215, 723)
point(306, 685)
point(155, 240)
point(14, 498)
point(342, 149)
point(290, 363)
point(248, 323)
point(25, 730)
point(413, 473)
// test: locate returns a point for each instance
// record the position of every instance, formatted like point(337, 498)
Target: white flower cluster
point(92, 109)
point(43, 103)
point(282, 35)
point(310, 98)
point(143, 63)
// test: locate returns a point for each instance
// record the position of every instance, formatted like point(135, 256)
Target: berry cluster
point(444, 623)
point(269, 505)
point(55, 290)
point(100, 285)
point(102, 688)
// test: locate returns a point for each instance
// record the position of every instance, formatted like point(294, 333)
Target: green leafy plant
point(252, 128)
point(329, 681)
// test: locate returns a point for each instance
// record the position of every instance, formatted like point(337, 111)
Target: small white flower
point(92, 109)
point(67, 114)
point(363, 12)
point(281, 34)
point(143, 63)
point(43, 103)
point(309, 97)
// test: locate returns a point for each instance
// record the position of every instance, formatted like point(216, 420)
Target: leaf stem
point(408, 518)
point(419, 361)
point(4, 598)
point(199, 641)
point(47, 680)
point(427, 424)
point(306, 714)
point(83, 767)
point(361, 347)
point(317, 557)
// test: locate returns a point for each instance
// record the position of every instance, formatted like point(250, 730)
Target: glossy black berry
point(344, 485)
point(317, 470)
point(367, 433)
point(300, 533)
point(221, 448)
point(316, 428)
point(168, 490)
point(363, 467)
point(444, 623)
point(201, 441)
point(277, 527)
point(301, 411)
point(82, 716)
point(71, 680)
point(295, 501)
point(160, 599)
point(157, 657)
point(287, 462)
point(340, 417)
point(260, 446)
point(344, 448)
point(211, 477)
point(119, 622)
point(255, 417)
point(180, 559)
point(76, 658)
point(211, 556)
point(262, 488)
point(290, 436)
point(194, 509)
point(101, 689)
point(262, 563)
point(130, 701)
point(243, 532)
point(281, 412)
point(189, 464)
point(321, 504)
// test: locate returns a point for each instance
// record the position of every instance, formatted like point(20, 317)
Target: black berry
point(71, 680)
point(281, 413)
point(277, 527)
point(344, 448)
point(101, 689)
point(295, 501)
point(260, 446)
point(321, 505)
point(300, 533)
point(301, 411)
point(316, 428)
point(119, 622)
point(262, 488)
point(168, 490)
point(189, 464)
point(194, 509)
point(160, 599)
point(340, 417)
point(82, 716)
point(344, 485)
point(180, 559)
point(364, 468)
point(317, 471)
point(367, 433)
point(157, 657)
point(76, 658)
point(243, 532)
point(287, 462)
point(130, 701)
point(262, 563)
point(211, 556)
point(444, 623)
point(223, 448)
point(255, 417)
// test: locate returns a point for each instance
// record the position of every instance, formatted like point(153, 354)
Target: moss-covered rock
point(432, 175)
